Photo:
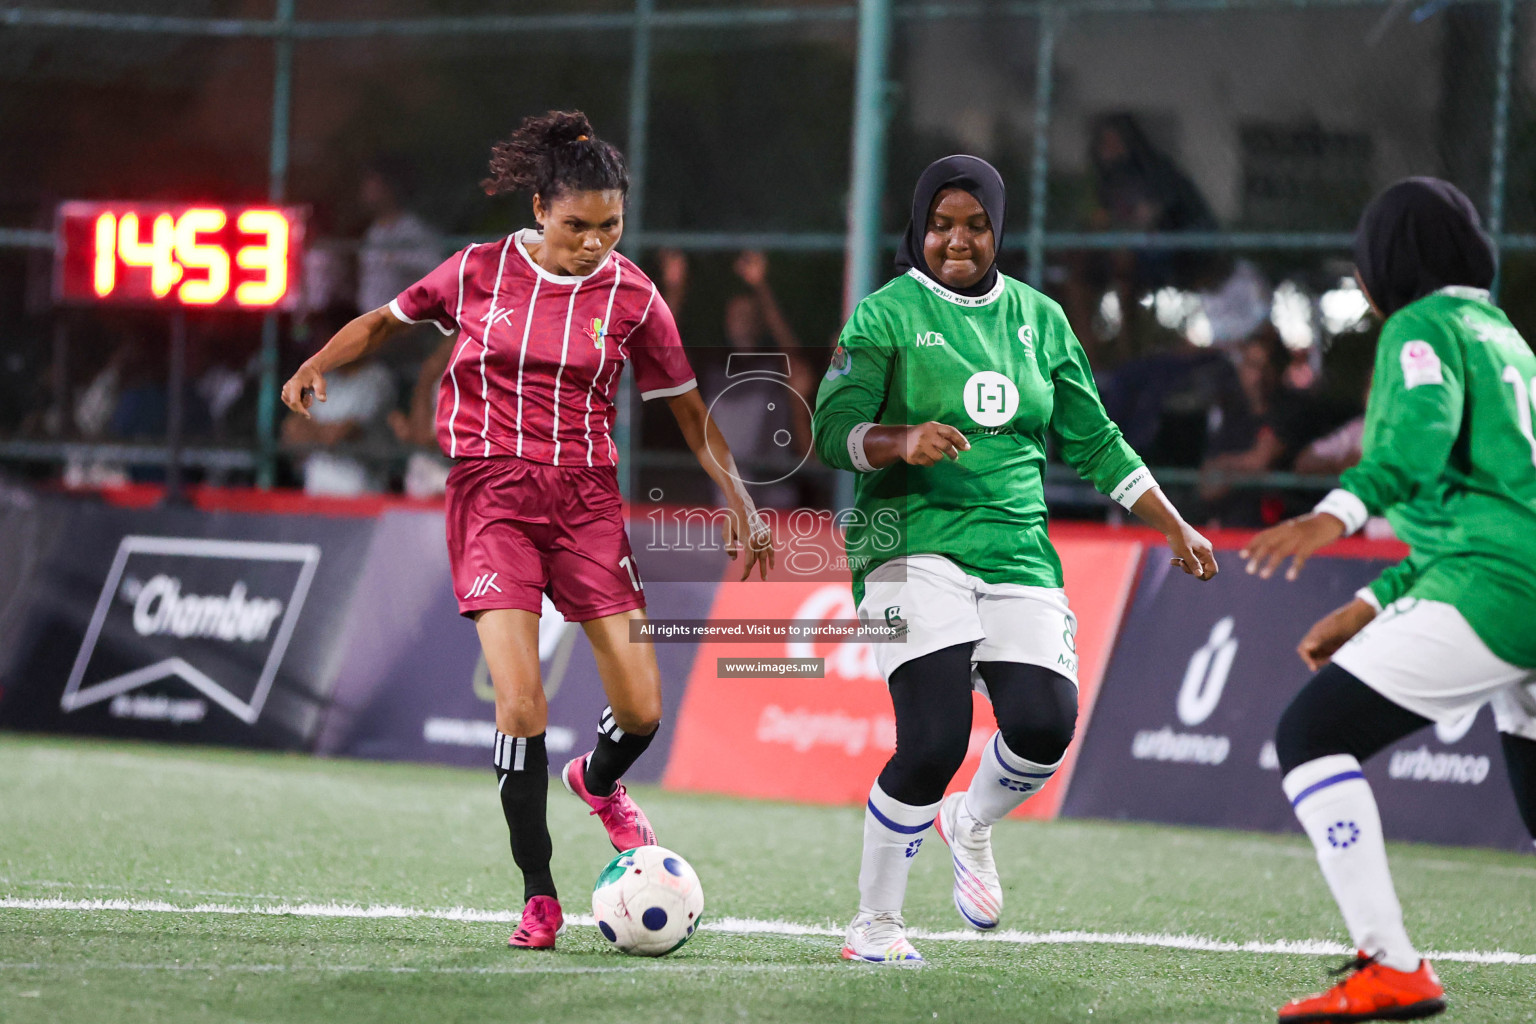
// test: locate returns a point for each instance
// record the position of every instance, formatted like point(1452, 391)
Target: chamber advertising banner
point(1183, 728)
point(412, 684)
point(823, 737)
point(174, 624)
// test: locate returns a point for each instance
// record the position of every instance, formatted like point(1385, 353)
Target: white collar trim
point(968, 301)
point(529, 234)
point(1461, 291)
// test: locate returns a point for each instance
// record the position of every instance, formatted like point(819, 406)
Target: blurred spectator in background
point(426, 471)
point(1172, 405)
point(1333, 453)
point(1138, 188)
point(1251, 442)
point(94, 407)
point(1278, 423)
point(398, 248)
point(744, 380)
point(358, 399)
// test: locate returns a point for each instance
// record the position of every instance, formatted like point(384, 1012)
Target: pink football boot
point(542, 921)
point(621, 816)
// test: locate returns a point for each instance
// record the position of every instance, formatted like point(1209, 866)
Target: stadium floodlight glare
point(178, 256)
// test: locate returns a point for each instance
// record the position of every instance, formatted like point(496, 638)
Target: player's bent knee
point(920, 775)
point(1327, 717)
point(1298, 738)
point(1041, 742)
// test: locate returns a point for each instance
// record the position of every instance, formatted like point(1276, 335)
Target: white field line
point(756, 926)
point(196, 968)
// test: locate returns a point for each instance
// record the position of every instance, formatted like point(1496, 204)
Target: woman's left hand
point(749, 532)
point(1296, 539)
point(1191, 551)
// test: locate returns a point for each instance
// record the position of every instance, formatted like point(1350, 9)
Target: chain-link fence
point(1183, 174)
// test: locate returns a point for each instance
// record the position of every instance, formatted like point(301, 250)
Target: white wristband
point(1127, 491)
point(1345, 507)
point(1368, 595)
point(856, 448)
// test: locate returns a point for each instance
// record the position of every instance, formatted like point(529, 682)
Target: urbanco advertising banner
point(1184, 727)
point(176, 624)
point(824, 739)
point(412, 684)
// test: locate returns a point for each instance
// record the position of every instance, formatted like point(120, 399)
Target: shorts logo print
point(484, 584)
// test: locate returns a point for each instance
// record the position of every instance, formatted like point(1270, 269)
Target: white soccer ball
point(647, 901)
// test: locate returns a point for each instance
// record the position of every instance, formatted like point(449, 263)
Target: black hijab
point(1418, 236)
point(971, 174)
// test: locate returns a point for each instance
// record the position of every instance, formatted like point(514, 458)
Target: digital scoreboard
point(176, 256)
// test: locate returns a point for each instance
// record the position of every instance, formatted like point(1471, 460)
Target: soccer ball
point(647, 901)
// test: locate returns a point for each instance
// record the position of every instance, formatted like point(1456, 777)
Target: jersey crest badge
point(842, 362)
point(596, 331)
point(1027, 339)
point(1420, 365)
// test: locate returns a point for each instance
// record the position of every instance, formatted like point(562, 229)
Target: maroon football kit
point(527, 406)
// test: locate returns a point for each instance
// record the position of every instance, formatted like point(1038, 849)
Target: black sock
point(522, 776)
point(616, 750)
point(1520, 760)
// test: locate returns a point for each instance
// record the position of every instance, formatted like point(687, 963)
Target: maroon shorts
point(519, 529)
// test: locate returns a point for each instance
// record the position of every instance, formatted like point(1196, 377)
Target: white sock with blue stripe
point(893, 831)
point(1335, 805)
point(1004, 780)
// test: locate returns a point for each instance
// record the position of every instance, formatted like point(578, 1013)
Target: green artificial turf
point(99, 821)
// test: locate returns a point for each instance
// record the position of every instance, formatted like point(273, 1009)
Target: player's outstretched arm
point(1297, 539)
point(1191, 551)
point(357, 339)
point(714, 455)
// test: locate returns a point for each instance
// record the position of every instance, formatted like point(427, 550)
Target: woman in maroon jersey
point(545, 321)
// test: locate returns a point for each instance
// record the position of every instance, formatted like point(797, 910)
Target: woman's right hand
point(1333, 631)
point(927, 443)
point(306, 385)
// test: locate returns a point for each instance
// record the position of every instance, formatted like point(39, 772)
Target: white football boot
point(978, 893)
point(880, 939)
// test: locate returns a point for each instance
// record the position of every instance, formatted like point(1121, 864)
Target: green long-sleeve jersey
point(1450, 459)
point(1004, 369)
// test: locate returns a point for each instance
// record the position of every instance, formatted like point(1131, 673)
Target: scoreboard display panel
point(178, 256)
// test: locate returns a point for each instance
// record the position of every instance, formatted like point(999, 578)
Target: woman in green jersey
point(941, 394)
point(1449, 457)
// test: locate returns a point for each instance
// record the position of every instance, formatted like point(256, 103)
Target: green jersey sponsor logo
point(991, 399)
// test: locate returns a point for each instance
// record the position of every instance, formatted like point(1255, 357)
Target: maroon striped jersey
point(536, 365)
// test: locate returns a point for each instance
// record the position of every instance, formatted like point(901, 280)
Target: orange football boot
point(1371, 992)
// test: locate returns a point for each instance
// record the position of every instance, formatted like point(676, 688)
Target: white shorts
point(943, 606)
point(1423, 656)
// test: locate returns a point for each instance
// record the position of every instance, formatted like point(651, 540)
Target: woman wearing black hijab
point(1450, 459)
point(942, 392)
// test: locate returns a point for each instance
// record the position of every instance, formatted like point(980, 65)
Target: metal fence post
point(865, 192)
point(1499, 158)
point(868, 172)
point(627, 420)
point(1045, 61)
point(277, 188)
